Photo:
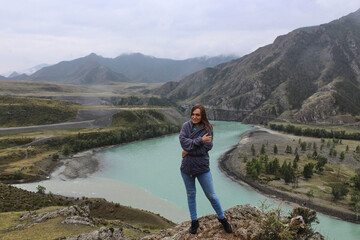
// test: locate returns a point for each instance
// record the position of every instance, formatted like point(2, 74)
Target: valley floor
point(233, 165)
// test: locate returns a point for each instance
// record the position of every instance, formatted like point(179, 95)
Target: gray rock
point(103, 233)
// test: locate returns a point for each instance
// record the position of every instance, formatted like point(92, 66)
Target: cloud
point(39, 31)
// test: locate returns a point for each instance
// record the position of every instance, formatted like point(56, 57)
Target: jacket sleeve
point(186, 142)
point(201, 150)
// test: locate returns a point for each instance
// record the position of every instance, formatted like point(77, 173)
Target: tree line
point(290, 172)
point(84, 141)
point(315, 132)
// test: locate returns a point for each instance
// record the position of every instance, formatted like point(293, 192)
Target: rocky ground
point(247, 222)
point(78, 166)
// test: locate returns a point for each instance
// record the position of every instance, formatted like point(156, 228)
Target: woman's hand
point(184, 153)
point(206, 138)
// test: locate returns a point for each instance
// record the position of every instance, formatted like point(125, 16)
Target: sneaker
point(226, 225)
point(194, 226)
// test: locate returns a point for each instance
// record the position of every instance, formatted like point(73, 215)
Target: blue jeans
point(206, 182)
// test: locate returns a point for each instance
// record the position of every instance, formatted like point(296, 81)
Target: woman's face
point(196, 116)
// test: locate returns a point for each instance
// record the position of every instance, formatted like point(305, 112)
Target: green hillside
point(15, 112)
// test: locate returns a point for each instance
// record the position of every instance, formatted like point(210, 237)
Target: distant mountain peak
point(14, 74)
point(132, 67)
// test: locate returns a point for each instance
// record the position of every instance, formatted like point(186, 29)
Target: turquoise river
point(146, 175)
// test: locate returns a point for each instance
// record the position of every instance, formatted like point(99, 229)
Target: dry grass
point(106, 214)
point(36, 89)
point(50, 229)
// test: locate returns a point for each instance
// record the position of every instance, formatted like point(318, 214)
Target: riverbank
point(231, 164)
point(83, 164)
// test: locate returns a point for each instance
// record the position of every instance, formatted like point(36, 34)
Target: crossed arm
point(196, 147)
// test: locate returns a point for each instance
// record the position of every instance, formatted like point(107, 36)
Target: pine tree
point(295, 165)
point(275, 149)
point(253, 150)
point(308, 170)
point(314, 155)
point(297, 158)
point(355, 203)
point(334, 152)
point(288, 149)
point(262, 151)
point(303, 146)
point(342, 155)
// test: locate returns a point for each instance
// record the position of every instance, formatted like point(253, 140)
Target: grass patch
point(138, 117)
point(15, 199)
point(12, 142)
point(15, 112)
point(50, 229)
point(16, 202)
point(142, 219)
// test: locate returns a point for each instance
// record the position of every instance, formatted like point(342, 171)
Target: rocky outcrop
point(103, 233)
point(73, 215)
point(248, 222)
point(317, 108)
point(78, 166)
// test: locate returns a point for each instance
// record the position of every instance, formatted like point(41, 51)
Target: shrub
point(55, 157)
point(321, 161)
point(339, 190)
point(308, 170)
point(40, 189)
point(277, 227)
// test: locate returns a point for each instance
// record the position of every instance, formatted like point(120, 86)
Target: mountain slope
point(310, 74)
point(80, 71)
point(94, 69)
point(148, 69)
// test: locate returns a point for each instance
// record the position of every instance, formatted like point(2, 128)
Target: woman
point(196, 140)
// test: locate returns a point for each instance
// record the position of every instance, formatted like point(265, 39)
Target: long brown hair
point(204, 118)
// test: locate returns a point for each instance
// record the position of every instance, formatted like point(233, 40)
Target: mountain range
point(94, 69)
point(311, 74)
point(28, 71)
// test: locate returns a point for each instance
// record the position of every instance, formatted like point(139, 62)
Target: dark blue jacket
point(197, 161)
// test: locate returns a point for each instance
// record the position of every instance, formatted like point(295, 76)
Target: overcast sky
point(49, 31)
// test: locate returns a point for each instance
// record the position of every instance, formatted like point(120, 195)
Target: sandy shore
point(80, 165)
point(229, 163)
